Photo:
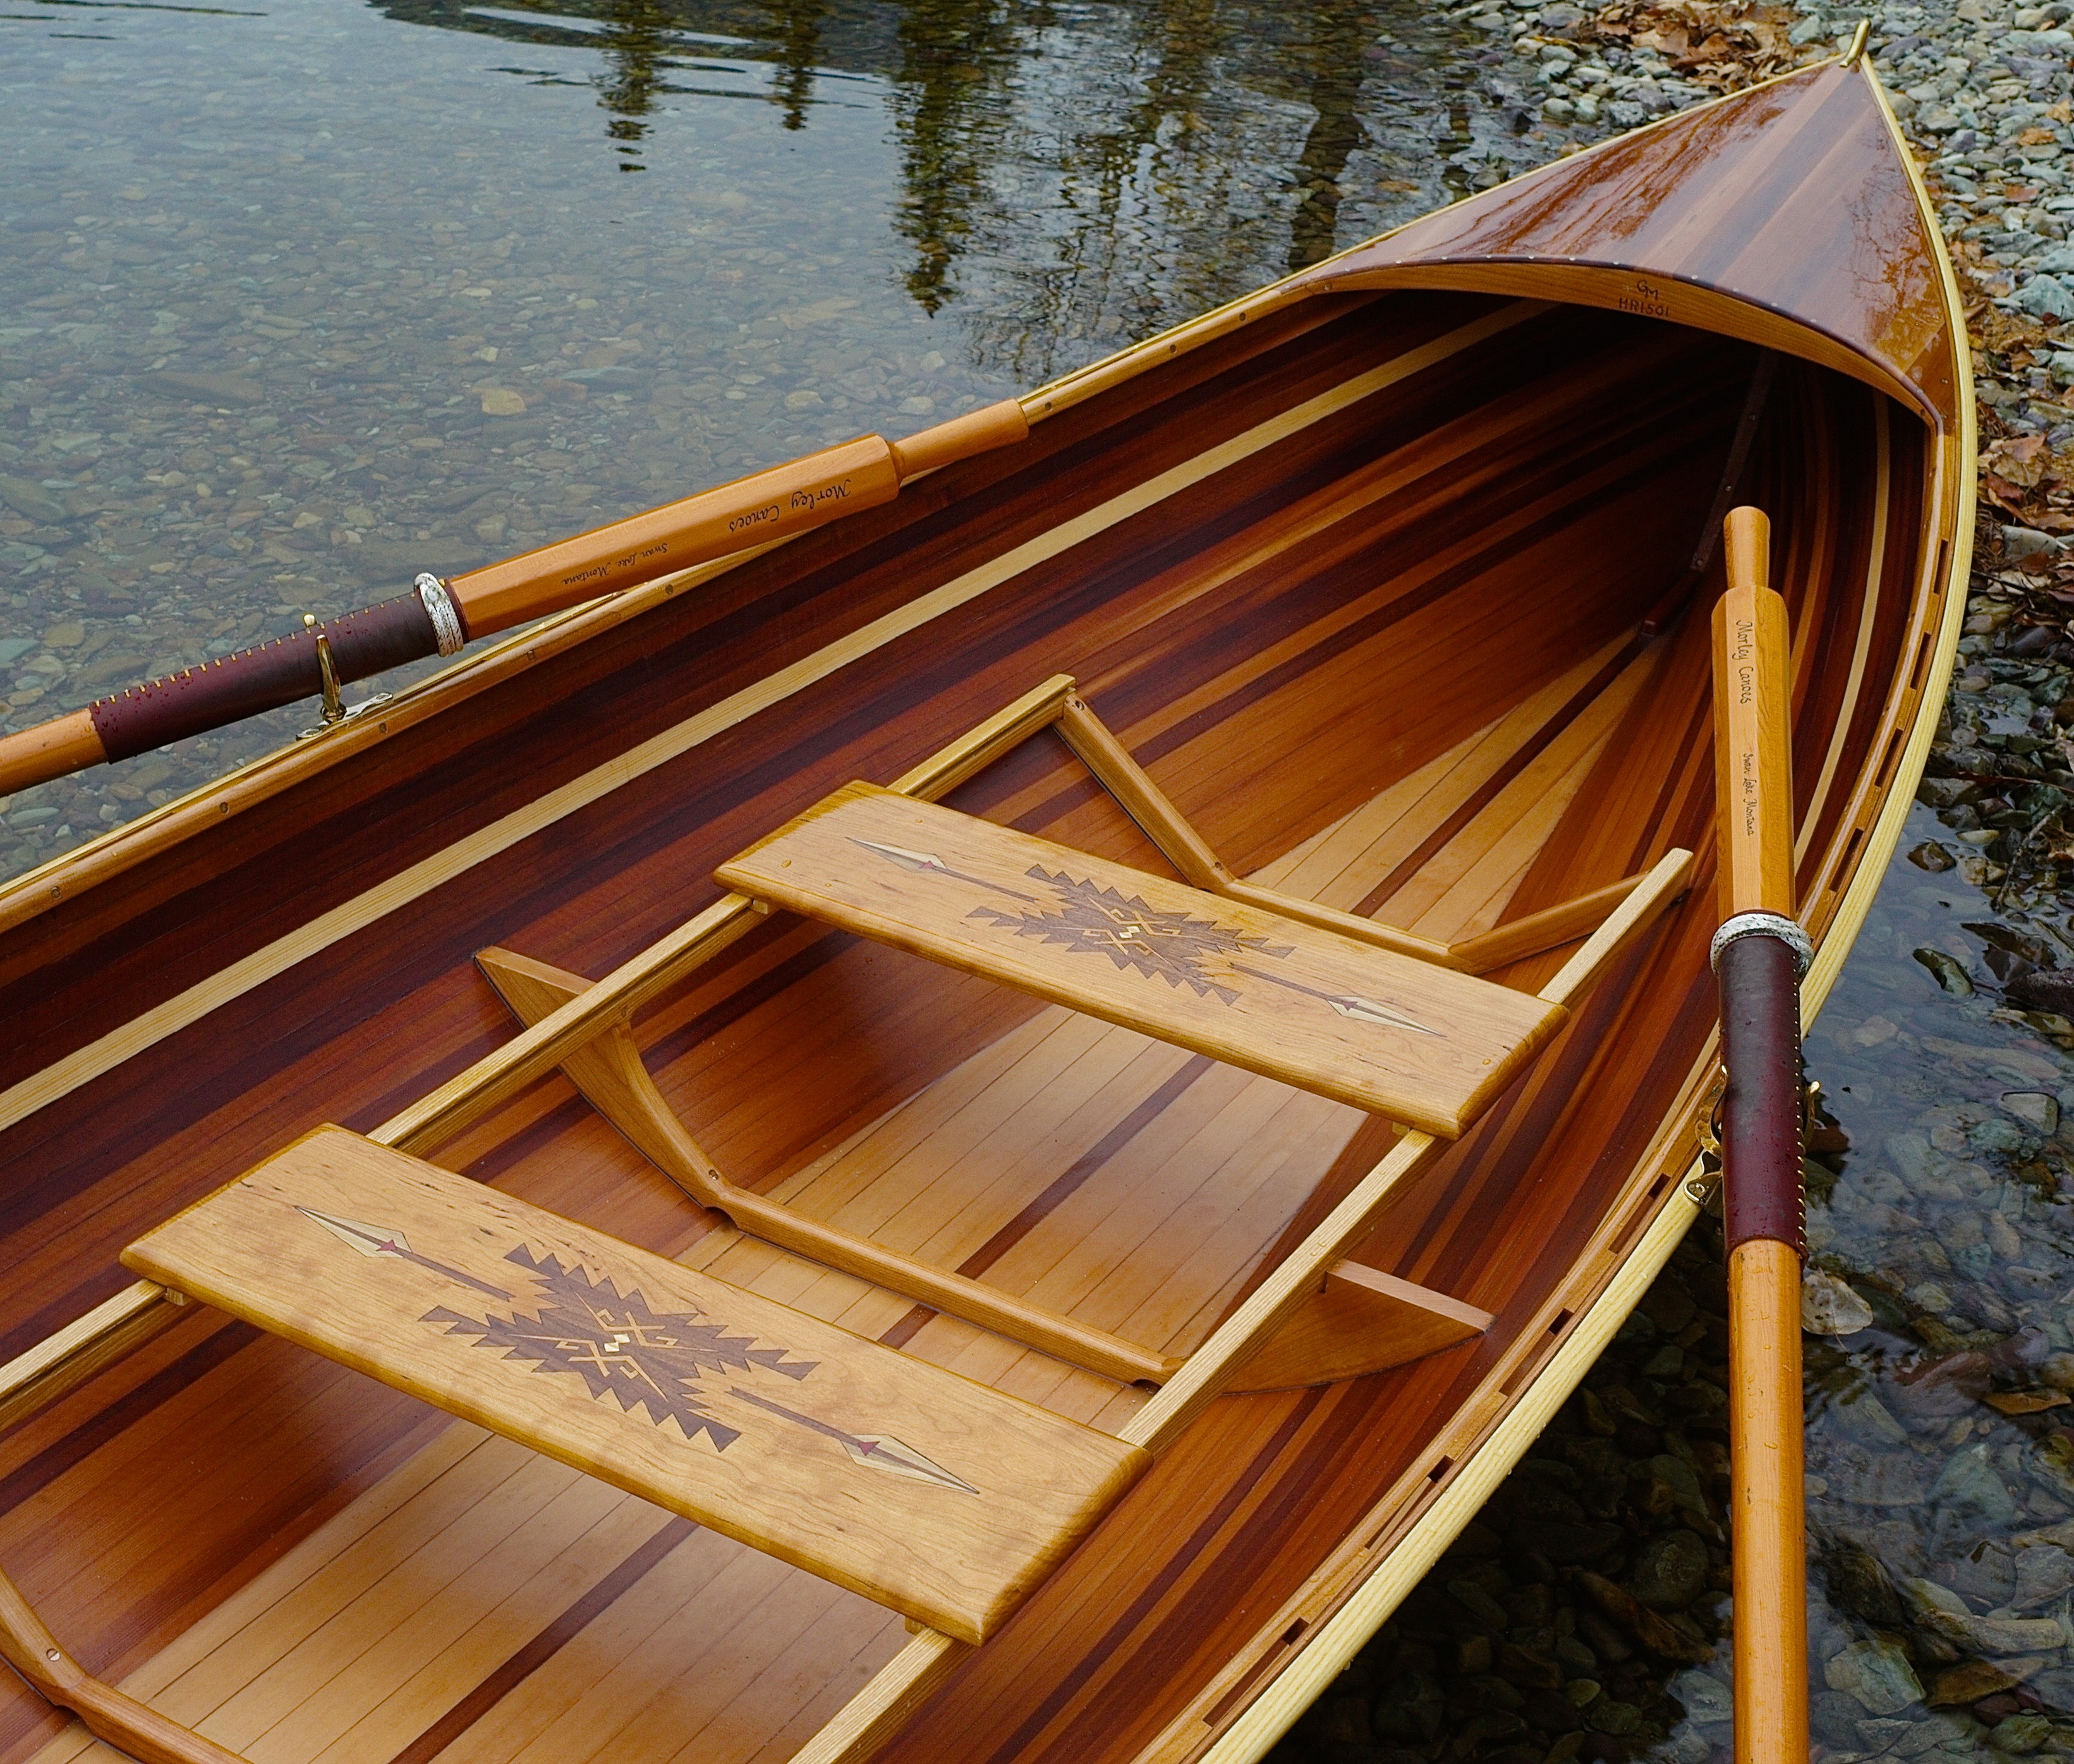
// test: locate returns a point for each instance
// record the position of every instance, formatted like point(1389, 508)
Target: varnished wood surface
point(1785, 213)
point(1367, 1027)
point(1372, 653)
point(925, 1492)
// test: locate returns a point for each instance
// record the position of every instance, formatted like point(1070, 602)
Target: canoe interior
point(1390, 661)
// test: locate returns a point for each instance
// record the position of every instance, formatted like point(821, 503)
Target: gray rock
point(1859, 1583)
point(1705, 1697)
point(2022, 542)
point(1671, 1572)
point(2045, 297)
point(2043, 1571)
point(2035, 1108)
point(2020, 1734)
point(1833, 1718)
point(210, 388)
point(28, 497)
point(1829, 1307)
point(1876, 1675)
point(1968, 1483)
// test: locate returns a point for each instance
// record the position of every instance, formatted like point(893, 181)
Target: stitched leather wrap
point(1760, 1115)
point(251, 680)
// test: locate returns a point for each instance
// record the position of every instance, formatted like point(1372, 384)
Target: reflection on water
point(302, 296)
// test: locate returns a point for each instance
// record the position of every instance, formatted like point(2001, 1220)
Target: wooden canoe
point(1371, 600)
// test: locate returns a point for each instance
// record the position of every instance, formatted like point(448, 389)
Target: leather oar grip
point(251, 680)
point(1761, 1115)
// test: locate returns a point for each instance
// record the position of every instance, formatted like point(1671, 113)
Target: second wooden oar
point(437, 617)
point(1759, 955)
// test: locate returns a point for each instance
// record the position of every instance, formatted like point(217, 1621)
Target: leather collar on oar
point(436, 618)
point(1759, 955)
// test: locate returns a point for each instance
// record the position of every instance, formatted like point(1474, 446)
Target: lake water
point(300, 297)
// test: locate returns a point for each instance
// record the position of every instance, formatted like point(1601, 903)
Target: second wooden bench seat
point(1420, 1043)
point(931, 1494)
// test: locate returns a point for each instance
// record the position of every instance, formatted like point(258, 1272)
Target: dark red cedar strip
point(566, 1626)
point(1077, 1174)
point(98, 1428)
point(1428, 514)
point(1344, 1428)
point(1242, 1485)
point(1640, 469)
point(1330, 646)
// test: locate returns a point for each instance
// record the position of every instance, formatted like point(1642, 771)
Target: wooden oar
point(1759, 955)
point(436, 618)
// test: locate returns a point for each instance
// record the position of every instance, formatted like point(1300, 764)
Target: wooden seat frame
point(1294, 1327)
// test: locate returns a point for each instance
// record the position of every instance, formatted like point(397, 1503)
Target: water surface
point(301, 297)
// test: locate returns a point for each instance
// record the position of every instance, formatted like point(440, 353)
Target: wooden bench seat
point(1420, 1043)
point(937, 1497)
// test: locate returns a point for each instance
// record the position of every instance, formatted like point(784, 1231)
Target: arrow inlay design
point(878, 1451)
point(383, 1240)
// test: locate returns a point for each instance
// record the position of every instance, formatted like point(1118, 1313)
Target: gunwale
point(1847, 874)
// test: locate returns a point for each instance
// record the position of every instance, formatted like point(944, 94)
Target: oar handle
point(1759, 955)
point(436, 618)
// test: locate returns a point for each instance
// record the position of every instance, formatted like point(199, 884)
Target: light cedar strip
point(434, 1579)
point(851, 860)
point(1056, 1104)
point(1474, 875)
point(1870, 601)
point(33, 1651)
point(851, 1676)
point(1106, 1229)
point(396, 1690)
point(768, 1702)
point(1216, 1229)
point(32, 1381)
point(451, 1677)
point(63, 1076)
point(1376, 837)
point(218, 1664)
point(879, 1711)
point(658, 1629)
point(1038, 1061)
point(1299, 1147)
point(1141, 1068)
point(264, 1621)
point(1210, 1368)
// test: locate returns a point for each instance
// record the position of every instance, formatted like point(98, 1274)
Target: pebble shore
point(1585, 1614)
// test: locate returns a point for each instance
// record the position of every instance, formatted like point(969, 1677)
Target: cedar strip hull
point(1503, 516)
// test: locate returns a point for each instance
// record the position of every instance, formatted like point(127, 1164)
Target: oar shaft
point(1769, 1521)
point(437, 617)
point(1759, 955)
